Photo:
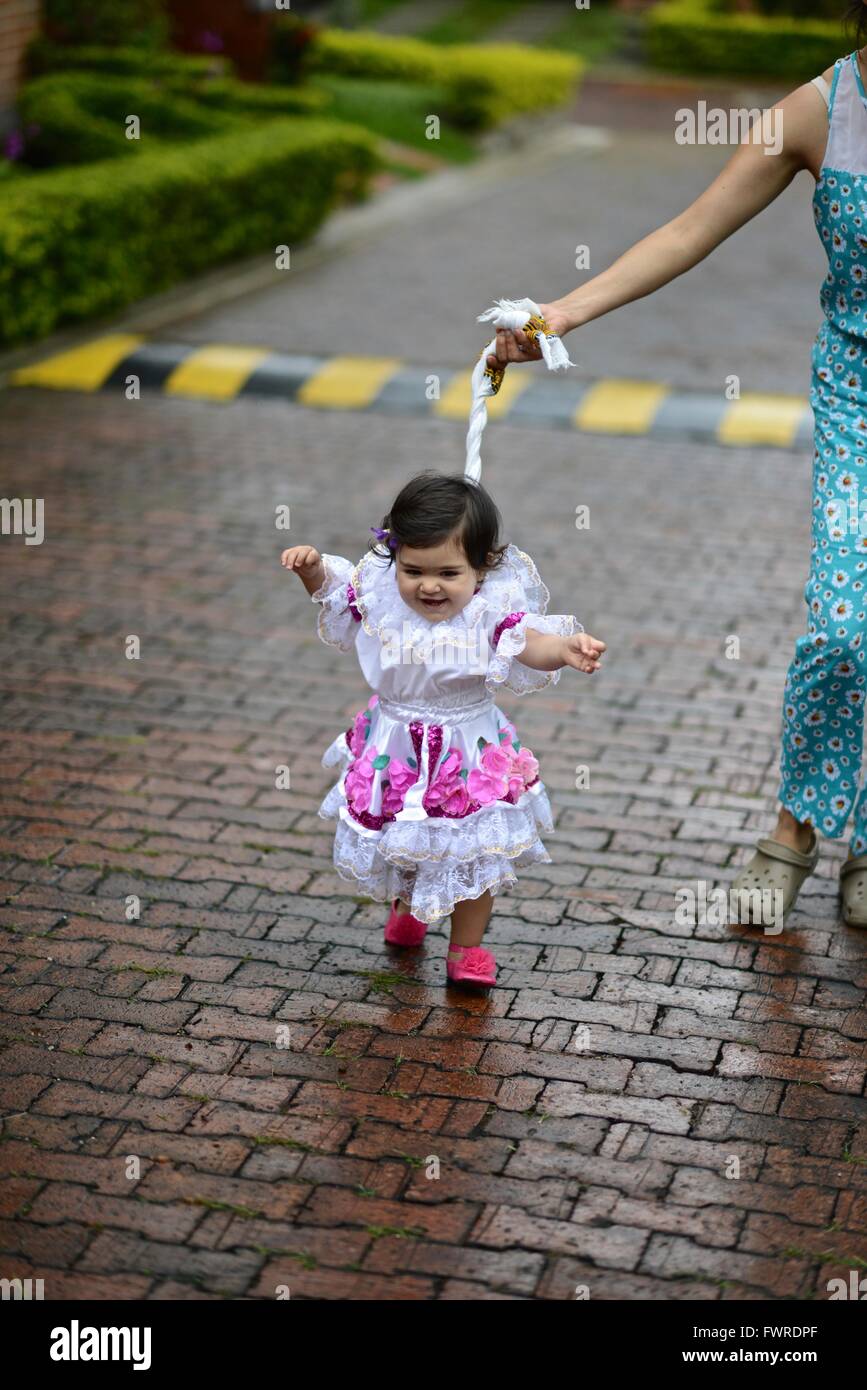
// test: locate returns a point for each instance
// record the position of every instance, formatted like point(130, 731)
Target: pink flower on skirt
point(400, 778)
point(525, 766)
point(361, 728)
point(497, 761)
point(457, 802)
point(490, 782)
point(447, 791)
point(359, 780)
point(503, 774)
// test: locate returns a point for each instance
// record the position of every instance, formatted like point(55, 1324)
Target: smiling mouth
point(433, 602)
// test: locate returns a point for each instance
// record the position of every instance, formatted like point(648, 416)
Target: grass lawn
point(595, 34)
point(369, 11)
point(472, 21)
point(395, 110)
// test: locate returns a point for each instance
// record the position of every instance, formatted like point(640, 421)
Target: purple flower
point(13, 147)
point(382, 533)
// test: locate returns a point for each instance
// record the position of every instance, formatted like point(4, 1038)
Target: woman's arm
point(750, 181)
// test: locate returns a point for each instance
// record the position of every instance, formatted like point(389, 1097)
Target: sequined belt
point(459, 711)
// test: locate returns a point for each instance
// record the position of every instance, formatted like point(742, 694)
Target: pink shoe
point(402, 929)
point(475, 966)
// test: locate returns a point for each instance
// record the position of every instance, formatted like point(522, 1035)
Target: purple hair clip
point(382, 533)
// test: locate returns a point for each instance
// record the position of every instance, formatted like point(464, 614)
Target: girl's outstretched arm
point(548, 652)
point(307, 564)
point(328, 581)
point(791, 137)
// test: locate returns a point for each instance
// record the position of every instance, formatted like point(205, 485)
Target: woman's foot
point(853, 890)
point(797, 835)
point(766, 888)
point(402, 929)
point(471, 965)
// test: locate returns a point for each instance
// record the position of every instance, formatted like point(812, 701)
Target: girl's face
point(437, 581)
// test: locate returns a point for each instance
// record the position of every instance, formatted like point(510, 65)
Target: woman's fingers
point(512, 346)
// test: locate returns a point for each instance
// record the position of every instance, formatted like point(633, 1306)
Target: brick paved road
point(262, 1166)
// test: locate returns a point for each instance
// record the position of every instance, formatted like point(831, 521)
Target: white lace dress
point(437, 799)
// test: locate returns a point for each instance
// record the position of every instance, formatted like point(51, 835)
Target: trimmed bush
point(141, 22)
point(78, 117)
point(692, 37)
point(804, 9)
point(77, 243)
point(484, 83)
point(202, 79)
point(43, 56)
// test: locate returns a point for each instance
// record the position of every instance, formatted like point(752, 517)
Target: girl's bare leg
point(469, 921)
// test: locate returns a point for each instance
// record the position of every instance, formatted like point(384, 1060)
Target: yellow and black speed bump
point(225, 372)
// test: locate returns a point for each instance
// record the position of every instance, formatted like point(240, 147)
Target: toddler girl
point(438, 801)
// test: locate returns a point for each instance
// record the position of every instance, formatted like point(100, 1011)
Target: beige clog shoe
point(853, 890)
point(775, 866)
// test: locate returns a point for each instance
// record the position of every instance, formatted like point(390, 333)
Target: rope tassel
point(506, 313)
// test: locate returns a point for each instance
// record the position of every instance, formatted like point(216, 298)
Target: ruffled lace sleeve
point(509, 640)
point(520, 599)
point(338, 619)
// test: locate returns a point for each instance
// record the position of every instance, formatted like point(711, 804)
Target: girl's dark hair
point(433, 506)
point(856, 23)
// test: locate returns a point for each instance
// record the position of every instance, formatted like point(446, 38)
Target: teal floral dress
point(823, 702)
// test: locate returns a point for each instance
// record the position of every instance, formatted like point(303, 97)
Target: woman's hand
point(307, 564)
point(756, 173)
point(516, 346)
point(583, 652)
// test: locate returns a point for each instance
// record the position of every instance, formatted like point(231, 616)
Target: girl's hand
point(583, 652)
point(516, 346)
point(303, 559)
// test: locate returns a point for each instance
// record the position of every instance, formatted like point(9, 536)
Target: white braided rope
point(506, 313)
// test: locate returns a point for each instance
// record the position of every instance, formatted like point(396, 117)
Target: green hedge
point(77, 243)
point(78, 117)
point(144, 23)
point(43, 57)
point(693, 36)
point(202, 79)
point(793, 9)
point(484, 83)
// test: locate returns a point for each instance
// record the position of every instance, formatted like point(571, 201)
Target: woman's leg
point(796, 834)
point(823, 703)
point(470, 919)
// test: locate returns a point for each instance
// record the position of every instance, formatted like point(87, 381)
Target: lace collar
point(514, 586)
